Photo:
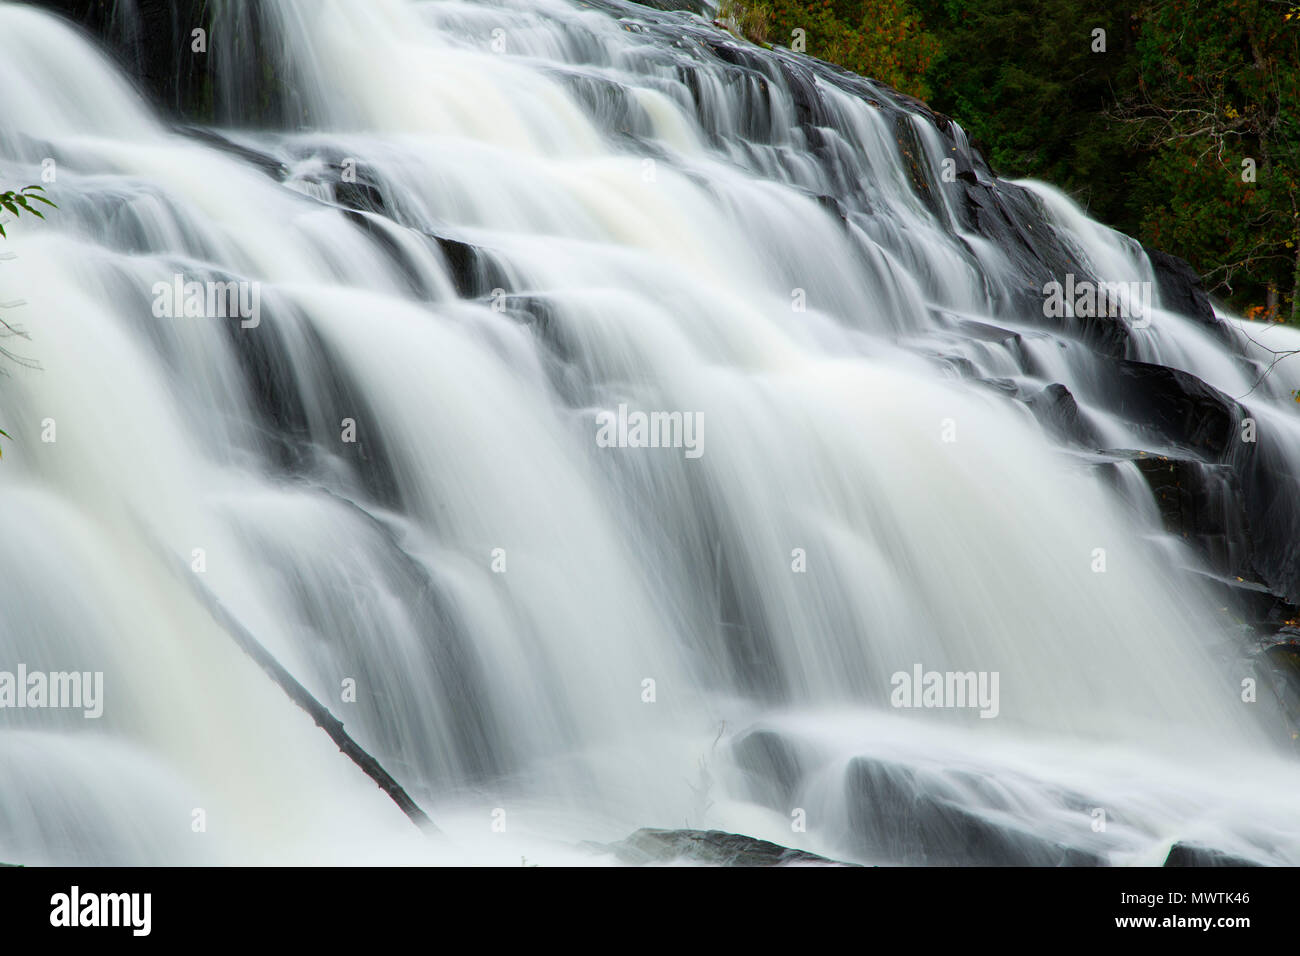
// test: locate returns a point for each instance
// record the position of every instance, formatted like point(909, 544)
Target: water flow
point(558, 209)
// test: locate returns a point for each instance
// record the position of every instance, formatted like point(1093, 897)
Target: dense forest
point(1175, 121)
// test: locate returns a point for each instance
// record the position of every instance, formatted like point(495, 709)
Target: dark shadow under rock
point(712, 847)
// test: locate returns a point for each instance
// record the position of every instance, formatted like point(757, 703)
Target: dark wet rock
point(1174, 407)
point(1058, 412)
point(1272, 499)
point(735, 53)
point(1266, 612)
point(1201, 502)
point(1190, 854)
point(1241, 514)
point(1284, 647)
point(986, 332)
point(152, 42)
point(915, 162)
point(833, 206)
point(899, 816)
point(810, 110)
point(713, 847)
point(416, 282)
point(611, 105)
point(1107, 335)
point(1004, 386)
point(1238, 511)
point(774, 767)
point(694, 6)
point(475, 272)
point(958, 365)
point(294, 430)
point(1279, 670)
point(269, 164)
point(1181, 289)
point(360, 196)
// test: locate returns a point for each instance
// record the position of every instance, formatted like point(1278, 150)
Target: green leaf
point(22, 201)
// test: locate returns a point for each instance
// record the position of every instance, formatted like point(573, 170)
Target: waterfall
point(471, 232)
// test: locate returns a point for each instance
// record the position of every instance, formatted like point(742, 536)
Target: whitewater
point(477, 230)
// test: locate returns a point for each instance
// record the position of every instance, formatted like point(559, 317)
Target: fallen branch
point(300, 695)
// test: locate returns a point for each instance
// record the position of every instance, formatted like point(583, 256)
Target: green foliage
point(883, 39)
point(20, 201)
point(752, 20)
point(1024, 81)
point(1150, 133)
point(1219, 86)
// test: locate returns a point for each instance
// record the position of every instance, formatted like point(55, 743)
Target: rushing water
point(559, 208)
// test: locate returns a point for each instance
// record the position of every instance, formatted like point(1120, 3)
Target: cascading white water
point(498, 585)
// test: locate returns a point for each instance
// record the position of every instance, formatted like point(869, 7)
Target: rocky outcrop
point(1181, 289)
point(1190, 854)
point(1201, 502)
point(1173, 407)
point(897, 816)
point(711, 847)
point(1058, 412)
point(154, 43)
point(774, 767)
